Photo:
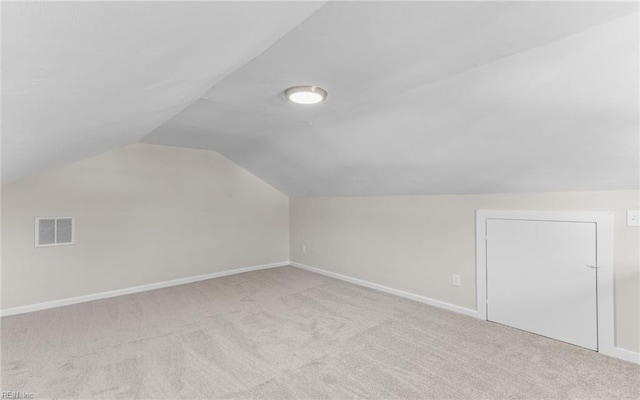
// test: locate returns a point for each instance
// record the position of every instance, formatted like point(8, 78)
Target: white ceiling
point(430, 97)
point(82, 78)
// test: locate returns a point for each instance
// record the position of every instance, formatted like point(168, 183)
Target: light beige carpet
point(287, 333)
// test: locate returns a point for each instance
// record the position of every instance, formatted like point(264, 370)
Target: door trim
point(604, 254)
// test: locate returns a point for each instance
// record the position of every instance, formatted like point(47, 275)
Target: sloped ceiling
point(82, 78)
point(424, 97)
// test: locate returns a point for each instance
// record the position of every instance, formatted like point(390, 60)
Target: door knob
point(593, 266)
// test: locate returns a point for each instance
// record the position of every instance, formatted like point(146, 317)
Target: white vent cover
point(55, 231)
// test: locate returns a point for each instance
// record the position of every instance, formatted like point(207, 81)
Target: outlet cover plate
point(633, 217)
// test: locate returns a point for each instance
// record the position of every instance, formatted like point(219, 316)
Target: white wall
point(415, 243)
point(144, 214)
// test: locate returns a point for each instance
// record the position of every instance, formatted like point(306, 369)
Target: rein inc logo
point(17, 395)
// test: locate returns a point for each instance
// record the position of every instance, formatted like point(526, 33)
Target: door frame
point(604, 259)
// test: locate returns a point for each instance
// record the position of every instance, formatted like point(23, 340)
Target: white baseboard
point(620, 353)
point(136, 289)
point(626, 355)
point(623, 354)
point(386, 289)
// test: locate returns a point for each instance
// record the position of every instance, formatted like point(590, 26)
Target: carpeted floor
point(287, 333)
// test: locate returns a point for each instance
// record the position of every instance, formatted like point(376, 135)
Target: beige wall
point(415, 243)
point(148, 213)
point(144, 214)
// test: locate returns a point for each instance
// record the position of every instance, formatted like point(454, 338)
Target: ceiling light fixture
point(306, 94)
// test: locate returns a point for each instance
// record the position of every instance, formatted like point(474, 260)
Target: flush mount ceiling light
point(306, 94)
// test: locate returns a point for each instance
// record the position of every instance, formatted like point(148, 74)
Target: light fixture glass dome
point(306, 94)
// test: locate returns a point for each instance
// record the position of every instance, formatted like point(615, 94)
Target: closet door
point(541, 277)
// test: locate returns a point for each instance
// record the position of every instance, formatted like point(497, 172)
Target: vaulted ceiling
point(424, 97)
point(82, 78)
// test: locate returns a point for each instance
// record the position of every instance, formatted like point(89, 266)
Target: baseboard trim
point(386, 289)
point(626, 355)
point(623, 354)
point(135, 289)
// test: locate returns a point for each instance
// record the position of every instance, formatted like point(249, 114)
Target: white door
point(541, 277)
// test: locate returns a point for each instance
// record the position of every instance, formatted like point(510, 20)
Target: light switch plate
point(633, 217)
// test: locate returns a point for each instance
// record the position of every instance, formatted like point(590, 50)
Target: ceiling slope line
point(234, 70)
point(275, 42)
point(280, 27)
point(496, 60)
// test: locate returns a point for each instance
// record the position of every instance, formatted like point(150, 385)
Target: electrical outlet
point(633, 217)
point(304, 249)
point(456, 280)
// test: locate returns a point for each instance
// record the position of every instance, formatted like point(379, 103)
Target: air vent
point(55, 231)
